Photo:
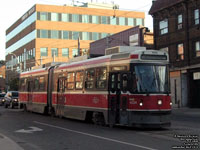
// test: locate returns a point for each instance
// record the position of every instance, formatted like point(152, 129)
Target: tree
point(2, 62)
point(14, 84)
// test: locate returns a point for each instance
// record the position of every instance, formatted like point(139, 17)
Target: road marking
point(31, 130)
point(96, 136)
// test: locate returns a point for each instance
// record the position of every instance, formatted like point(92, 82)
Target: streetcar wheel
point(98, 118)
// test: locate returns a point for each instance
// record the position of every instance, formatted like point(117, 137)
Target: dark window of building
point(44, 16)
point(74, 52)
point(104, 20)
point(75, 35)
point(89, 80)
point(65, 35)
point(44, 51)
point(95, 36)
point(75, 18)
point(197, 48)
point(43, 33)
point(54, 34)
point(70, 80)
point(180, 52)
point(196, 16)
point(54, 52)
point(79, 80)
point(163, 26)
point(180, 22)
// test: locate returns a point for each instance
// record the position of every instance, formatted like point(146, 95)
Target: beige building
point(49, 33)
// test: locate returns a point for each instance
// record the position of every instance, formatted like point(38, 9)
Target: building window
point(104, 20)
point(43, 51)
point(196, 16)
point(95, 36)
point(163, 26)
point(121, 21)
point(65, 35)
point(85, 36)
point(180, 52)
point(85, 18)
point(113, 20)
point(95, 19)
point(74, 52)
point(44, 33)
point(75, 35)
point(75, 18)
point(54, 34)
point(139, 21)
point(197, 48)
point(65, 17)
point(180, 21)
point(54, 52)
point(54, 16)
point(65, 52)
point(43, 16)
point(130, 22)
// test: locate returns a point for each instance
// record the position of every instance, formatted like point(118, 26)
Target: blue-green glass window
point(130, 22)
point(54, 34)
point(95, 36)
point(85, 36)
point(75, 35)
point(65, 52)
point(43, 16)
point(85, 18)
point(138, 21)
point(54, 51)
point(65, 17)
point(74, 52)
point(54, 16)
point(103, 35)
point(44, 51)
point(121, 21)
point(113, 20)
point(65, 35)
point(44, 33)
point(104, 20)
point(75, 18)
point(95, 19)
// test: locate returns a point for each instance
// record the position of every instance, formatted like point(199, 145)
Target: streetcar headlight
point(3, 100)
point(159, 102)
point(141, 104)
point(170, 103)
point(15, 100)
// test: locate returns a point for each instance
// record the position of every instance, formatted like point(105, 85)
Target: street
point(33, 131)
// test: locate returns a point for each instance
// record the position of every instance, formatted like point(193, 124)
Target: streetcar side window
point(41, 83)
point(89, 79)
point(23, 84)
point(36, 84)
point(101, 78)
point(70, 80)
point(79, 80)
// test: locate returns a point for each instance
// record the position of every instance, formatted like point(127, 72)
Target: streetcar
point(130, 88)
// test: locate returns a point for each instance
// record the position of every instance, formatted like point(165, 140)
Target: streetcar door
point(30, 95)
point(61, 99)
point(50, 89)
point(114, 98)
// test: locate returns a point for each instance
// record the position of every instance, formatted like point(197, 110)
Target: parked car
point(2, 100)
point(11, 99)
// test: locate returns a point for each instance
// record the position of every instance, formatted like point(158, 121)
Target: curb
point(8, 144)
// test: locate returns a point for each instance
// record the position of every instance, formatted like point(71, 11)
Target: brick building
point(49, 33)
point(177, 30)
point(135, 36)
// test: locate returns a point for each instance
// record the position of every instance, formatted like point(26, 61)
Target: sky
point(12, 10)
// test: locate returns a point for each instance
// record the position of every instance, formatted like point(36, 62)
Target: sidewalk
point(8, 144)
point(186, 111)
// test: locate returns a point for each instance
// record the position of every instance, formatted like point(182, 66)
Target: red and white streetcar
point(128, 88)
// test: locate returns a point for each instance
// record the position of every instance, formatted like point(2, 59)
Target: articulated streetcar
point(129, 89)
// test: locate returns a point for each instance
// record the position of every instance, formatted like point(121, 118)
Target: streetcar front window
point(150, 79)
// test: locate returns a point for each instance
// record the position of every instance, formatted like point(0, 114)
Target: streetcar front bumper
point(150, 119)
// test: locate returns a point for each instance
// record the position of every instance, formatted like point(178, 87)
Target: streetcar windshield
point(150, 79)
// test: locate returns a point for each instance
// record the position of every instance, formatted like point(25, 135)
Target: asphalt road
point(37, 132)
